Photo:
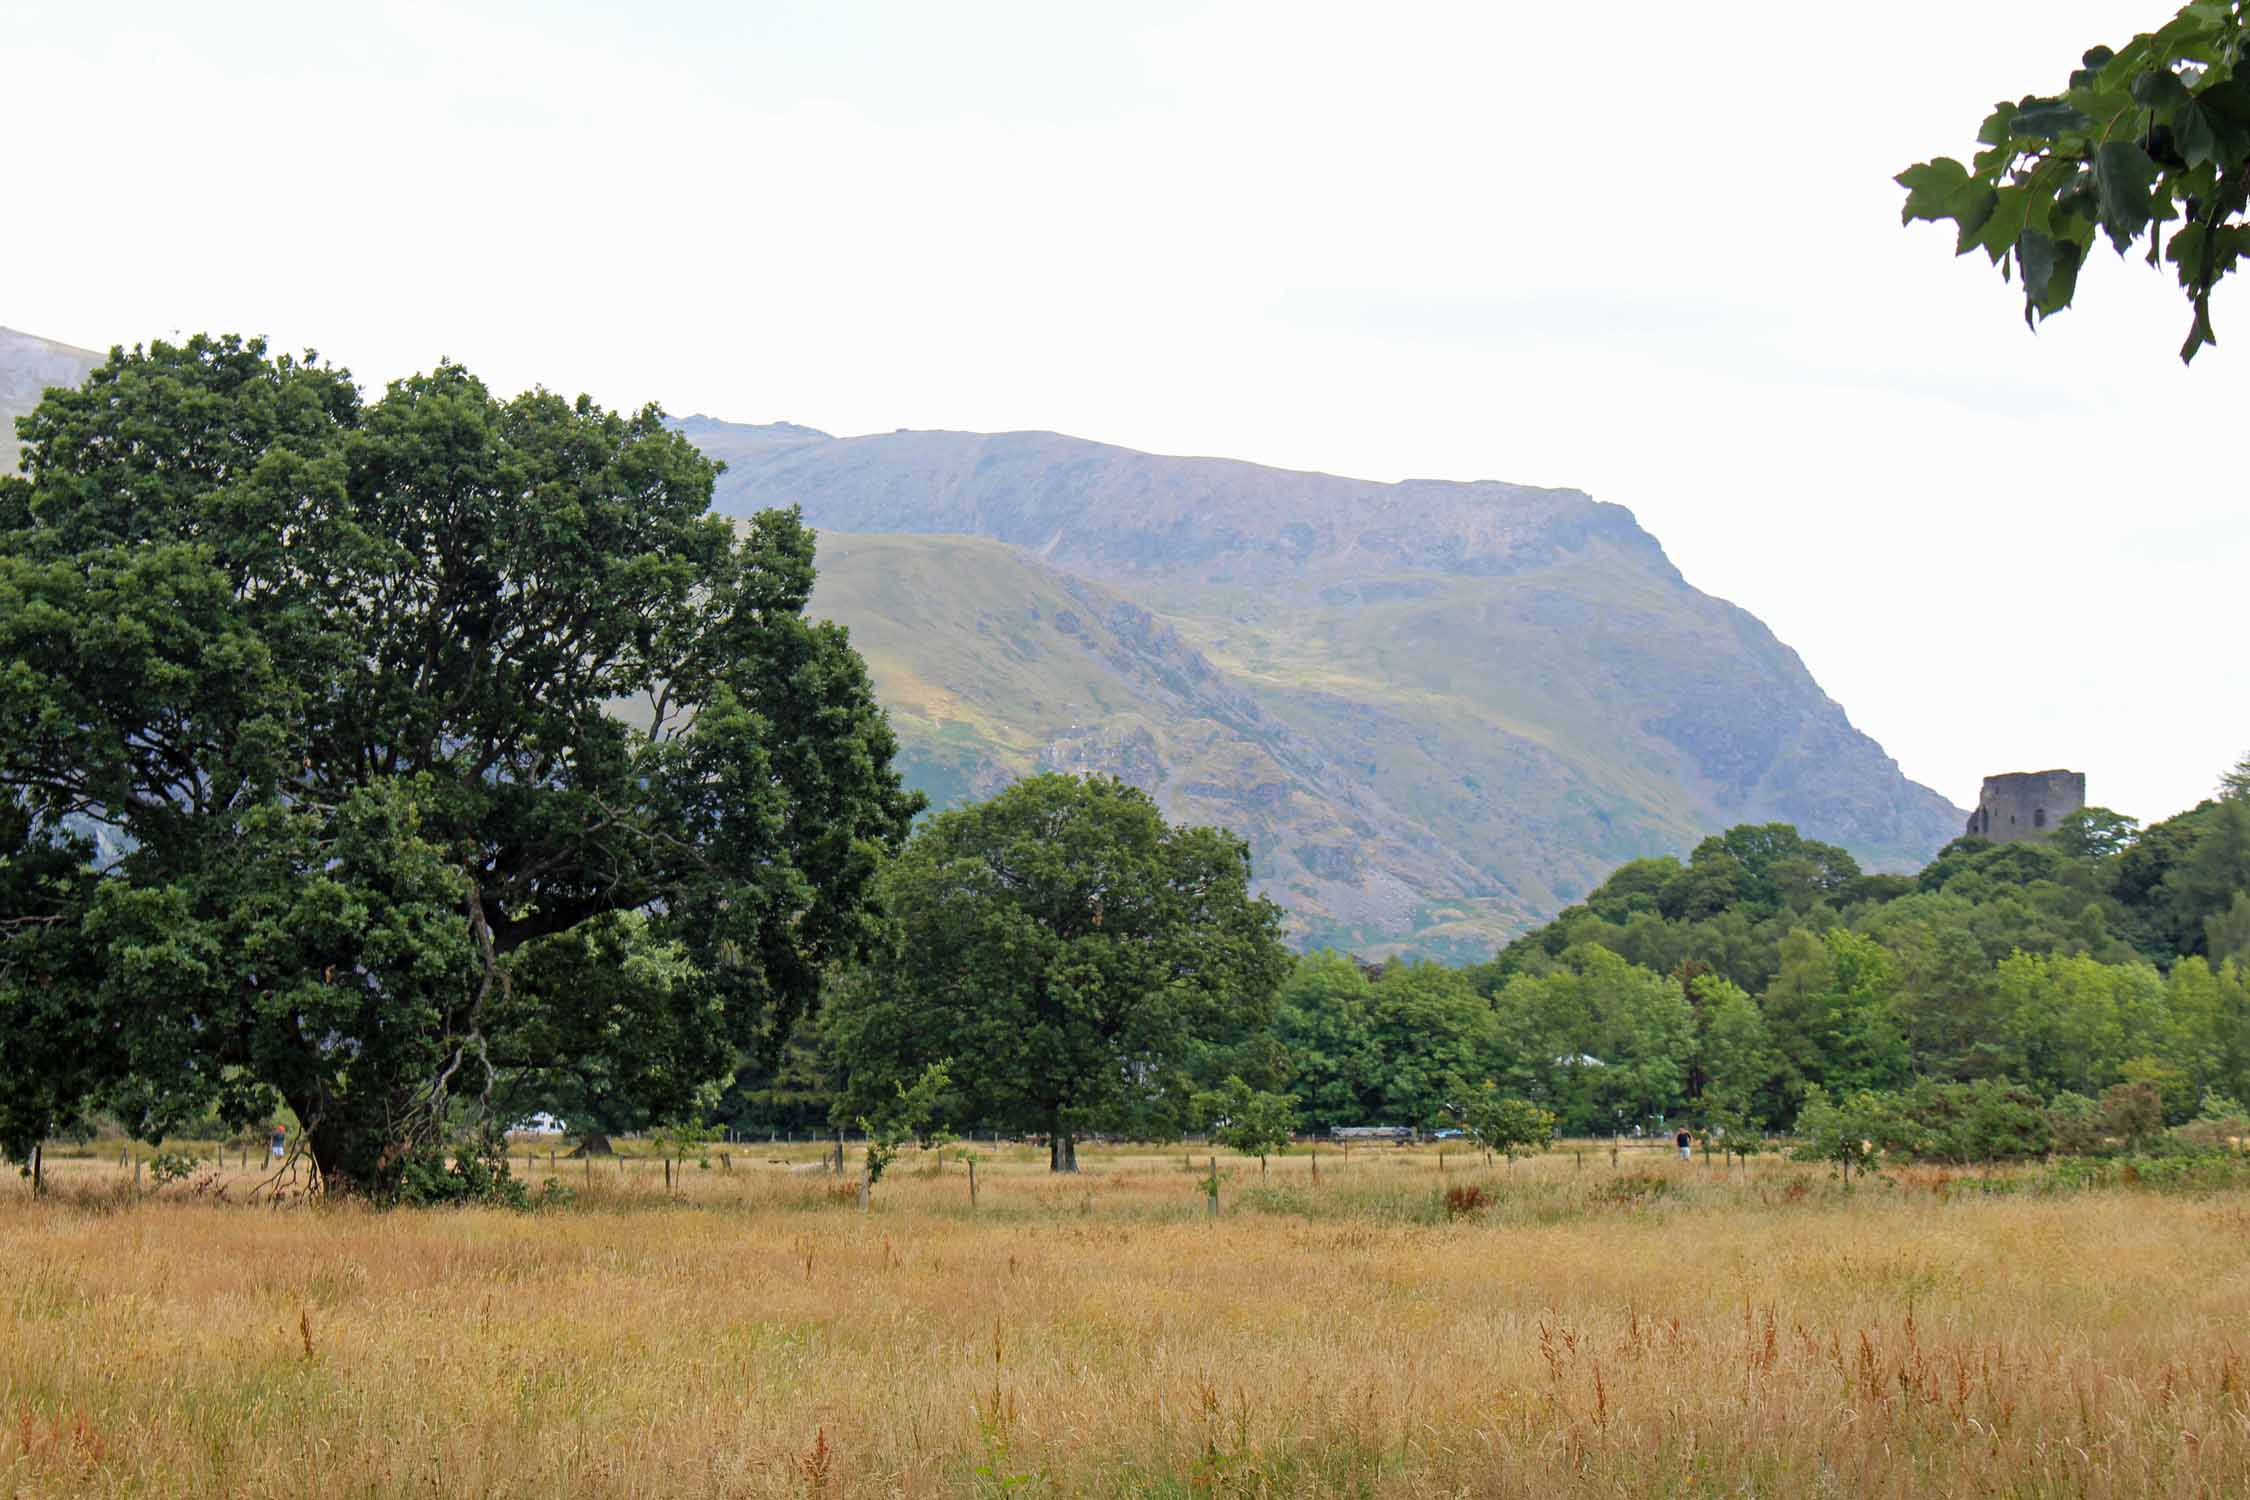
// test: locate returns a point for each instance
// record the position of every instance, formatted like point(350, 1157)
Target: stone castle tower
point(2026, 804)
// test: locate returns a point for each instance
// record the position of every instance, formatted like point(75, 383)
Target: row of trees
point(1764, 972)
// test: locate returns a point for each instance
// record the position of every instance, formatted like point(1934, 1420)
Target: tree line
point(1763, 974)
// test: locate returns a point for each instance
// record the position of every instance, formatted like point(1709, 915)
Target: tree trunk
point(596, 1144)
point(331, 1158)
point(1062, 1145)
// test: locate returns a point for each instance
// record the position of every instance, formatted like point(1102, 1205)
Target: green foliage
point(1840, 1129)
point(55, 1051)
point(2132, 1113)
point(1734, 1053)
point(1251, 1121)
point(1508, 1126)
point(1378, 1049)
point(171, 1166)
point(911, 1115)
point(1070, 951)
point(1986, 1121)
point(332, 679)
point(680, 1139)
point(1602, 1042)
point(2093, 833)
point(474, 1175)
point(2153, 133)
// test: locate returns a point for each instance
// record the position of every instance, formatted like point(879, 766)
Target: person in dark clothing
point(1682, 1140)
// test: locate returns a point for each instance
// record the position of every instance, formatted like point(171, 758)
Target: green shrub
point(476, 1175)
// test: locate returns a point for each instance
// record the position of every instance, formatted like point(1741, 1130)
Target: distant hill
point(1490, 694)
point(994, 665)
point(29, 365)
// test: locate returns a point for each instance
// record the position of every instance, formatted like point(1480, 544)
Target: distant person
point(280, 1141)
point(1681, 1140)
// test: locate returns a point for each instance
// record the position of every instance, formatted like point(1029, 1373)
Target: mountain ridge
point(1438, 710)
point(1520, 674)
point(1222, 519)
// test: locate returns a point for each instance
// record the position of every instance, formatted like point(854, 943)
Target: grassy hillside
point(993, 665)
point(1401, 791)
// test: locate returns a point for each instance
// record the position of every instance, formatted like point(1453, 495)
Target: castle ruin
point(2026, 804)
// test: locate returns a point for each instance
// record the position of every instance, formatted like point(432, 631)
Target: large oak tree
point(372, 704)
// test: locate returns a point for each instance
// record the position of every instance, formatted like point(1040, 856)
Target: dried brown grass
point(1755, 1333)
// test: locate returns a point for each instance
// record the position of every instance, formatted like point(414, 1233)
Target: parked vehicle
point(1399, 1134)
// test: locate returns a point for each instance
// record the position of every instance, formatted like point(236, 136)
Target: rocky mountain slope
point(1505, 690)
point(29, 365)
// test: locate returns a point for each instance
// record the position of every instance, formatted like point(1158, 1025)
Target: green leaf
point(1994, 131)
point(2050, 273)
point(2159, 89)
point(1943, 189)
point(1997, 233)
point(1930, 186)
point(2228, 99)
point(2045, 119)
point(2193, 134)
point(2123, 176)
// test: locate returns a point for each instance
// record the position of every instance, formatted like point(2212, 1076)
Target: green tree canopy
point(2150, 134)
point(1067, 949)
point(1251, 1121)
point(1498, 1123)
point(334, 680)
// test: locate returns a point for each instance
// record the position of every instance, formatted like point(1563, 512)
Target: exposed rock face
point(2019, 805)
point(28, 366)
point(1501, 691)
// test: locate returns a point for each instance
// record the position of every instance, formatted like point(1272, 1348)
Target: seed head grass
point(1565, 1329)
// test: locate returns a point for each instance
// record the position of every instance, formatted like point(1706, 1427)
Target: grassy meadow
point(1648, 1328)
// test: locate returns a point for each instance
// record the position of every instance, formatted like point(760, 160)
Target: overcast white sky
point(1651, 251)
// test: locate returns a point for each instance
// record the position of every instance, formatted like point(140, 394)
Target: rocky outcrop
point(29, 365)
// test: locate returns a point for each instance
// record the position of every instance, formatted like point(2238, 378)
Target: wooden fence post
point(1316, 1169)
point(972, 1184)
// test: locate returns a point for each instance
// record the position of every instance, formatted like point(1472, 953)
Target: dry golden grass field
point(1647, 1329)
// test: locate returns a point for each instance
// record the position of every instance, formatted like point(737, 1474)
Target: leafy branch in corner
point(2153, 133)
